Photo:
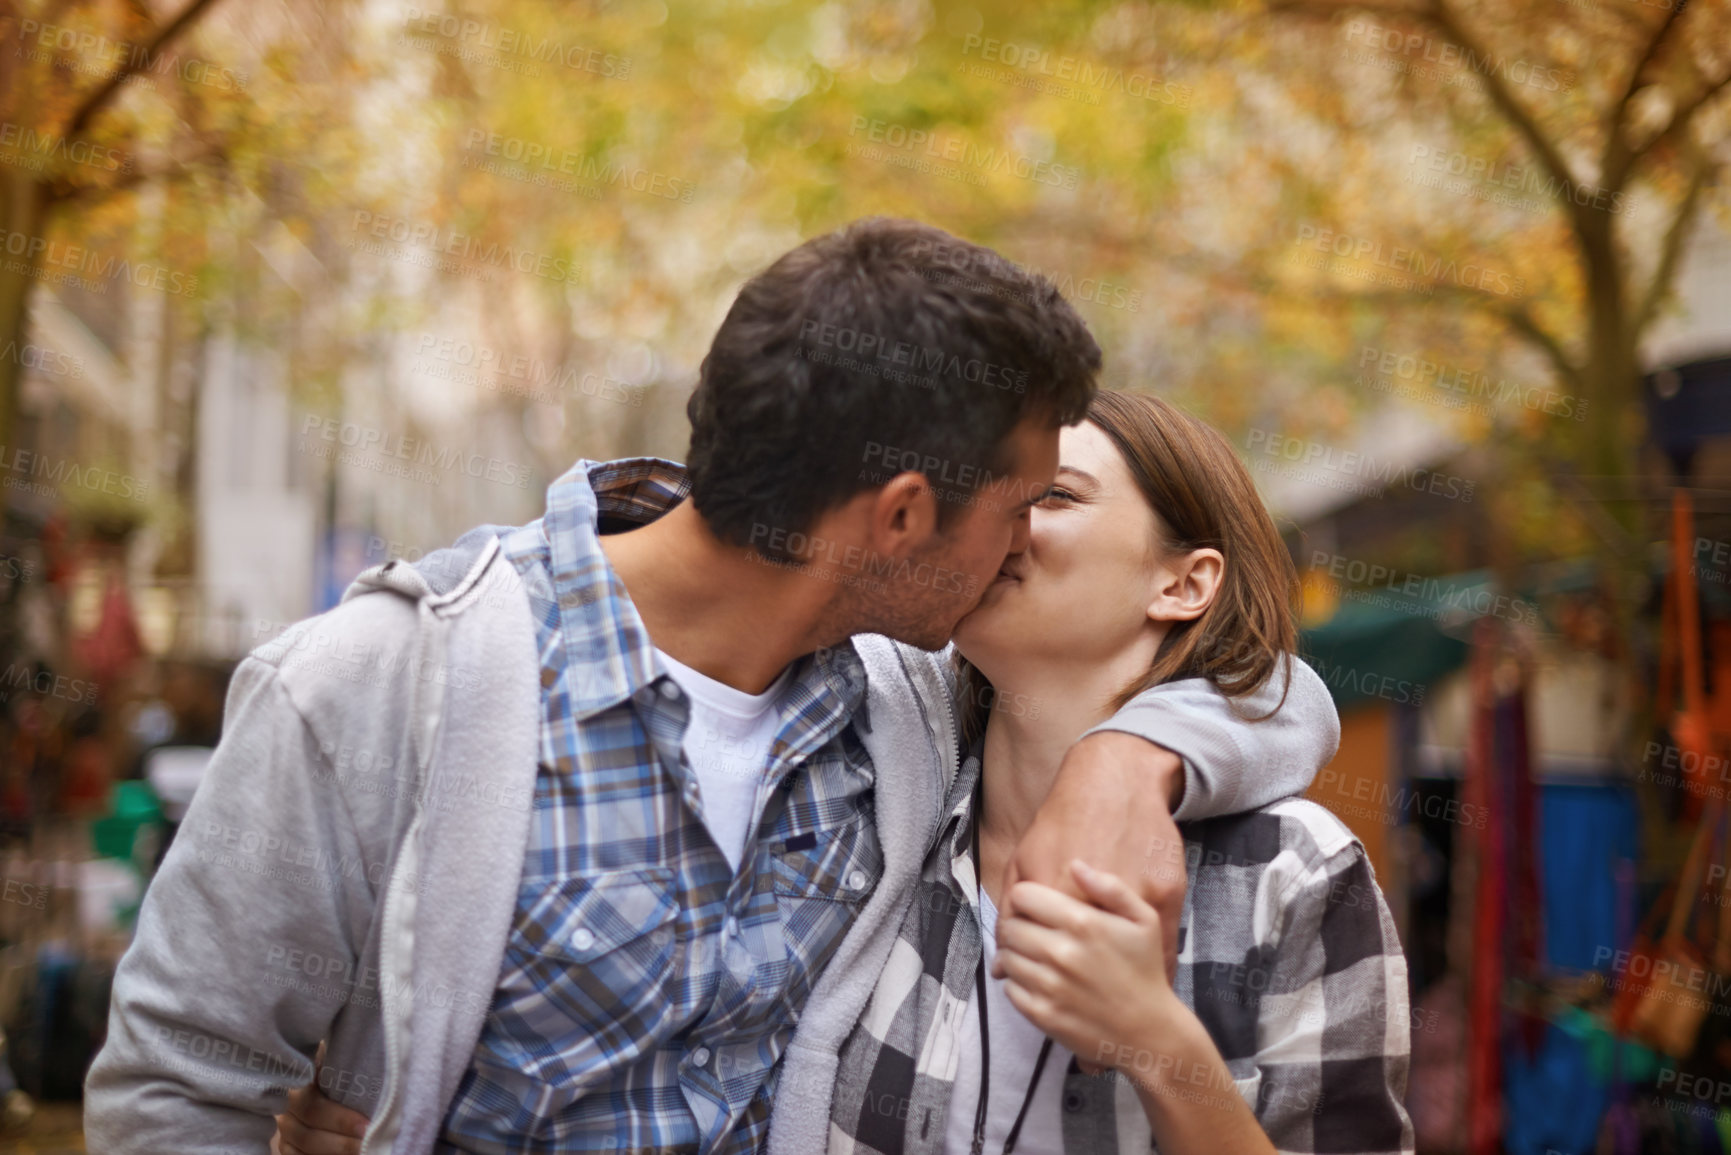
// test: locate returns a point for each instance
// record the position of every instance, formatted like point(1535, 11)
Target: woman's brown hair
point(1203, 497)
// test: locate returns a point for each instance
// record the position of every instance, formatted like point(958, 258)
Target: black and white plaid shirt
point(1287, 953)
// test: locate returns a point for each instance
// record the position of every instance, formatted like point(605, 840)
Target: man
point(550, 838)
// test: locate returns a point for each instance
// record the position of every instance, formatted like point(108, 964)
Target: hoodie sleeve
point(1231, 763)
point(216, 1009)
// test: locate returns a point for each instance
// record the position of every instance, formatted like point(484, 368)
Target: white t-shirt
point(1015, 1045)
point(727, 742)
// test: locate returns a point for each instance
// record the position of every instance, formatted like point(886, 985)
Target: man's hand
point(1111, 807)
point(315, 1125)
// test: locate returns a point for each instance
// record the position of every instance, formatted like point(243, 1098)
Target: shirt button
point(583, 938)
point(856, 879)
point(700, 1057)
point(669, 691)
point(732, 927)
point(1072, 1102)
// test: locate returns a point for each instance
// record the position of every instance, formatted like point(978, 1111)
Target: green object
point(132, 807)
point(1385, 644)
point(1607, 1055)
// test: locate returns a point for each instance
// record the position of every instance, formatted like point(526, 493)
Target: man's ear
point(1186, 584)
point(904, 515)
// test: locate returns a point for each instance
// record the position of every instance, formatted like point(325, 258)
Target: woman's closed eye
point(1057, 493)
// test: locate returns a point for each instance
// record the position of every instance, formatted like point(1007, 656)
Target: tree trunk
point(24, 208)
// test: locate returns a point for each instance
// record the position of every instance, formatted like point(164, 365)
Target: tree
point(74, 153)
point(1612, 114)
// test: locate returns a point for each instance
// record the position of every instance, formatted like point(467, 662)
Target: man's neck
point(717, 608)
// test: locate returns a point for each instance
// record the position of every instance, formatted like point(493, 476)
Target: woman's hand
point(1090, 974)
point(1094, 978)
point(315, 1125)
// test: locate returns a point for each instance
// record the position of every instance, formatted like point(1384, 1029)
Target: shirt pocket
point(820, 880)
point(841, 864)
point(594, 950)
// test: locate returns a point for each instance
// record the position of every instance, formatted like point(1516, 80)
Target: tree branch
point(67, 193)
point(1671, 249)
point(1443, 18)
point(1440, 16)
point(1640, 68)
point(1521, 320)
point(1683, 115)
point(1513, 314)
point(1329, 11)
point(99, 99)
point(1618, 158)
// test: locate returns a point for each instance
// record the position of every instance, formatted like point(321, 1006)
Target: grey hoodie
point(348, 869)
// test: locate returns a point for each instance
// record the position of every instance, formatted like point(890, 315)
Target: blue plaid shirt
point(647, 990)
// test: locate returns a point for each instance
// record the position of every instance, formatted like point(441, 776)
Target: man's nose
point(1020, 536)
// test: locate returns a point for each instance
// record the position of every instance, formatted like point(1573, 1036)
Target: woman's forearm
point(1193, 1106)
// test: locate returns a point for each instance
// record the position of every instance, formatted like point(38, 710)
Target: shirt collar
point(608, 652)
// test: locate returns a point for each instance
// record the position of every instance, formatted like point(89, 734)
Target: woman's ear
point(1186, 585)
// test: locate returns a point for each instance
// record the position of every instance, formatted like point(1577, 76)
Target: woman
point(1285, 1026)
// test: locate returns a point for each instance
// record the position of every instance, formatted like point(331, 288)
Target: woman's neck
point(1036, 717)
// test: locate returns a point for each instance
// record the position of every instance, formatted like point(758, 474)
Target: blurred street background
point(289, 288)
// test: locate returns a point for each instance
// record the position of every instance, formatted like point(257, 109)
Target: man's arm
point(1180, 750)
point(216, 1007)
point(1232, 764)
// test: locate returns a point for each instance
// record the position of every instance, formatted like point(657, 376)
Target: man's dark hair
point(857, 351)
